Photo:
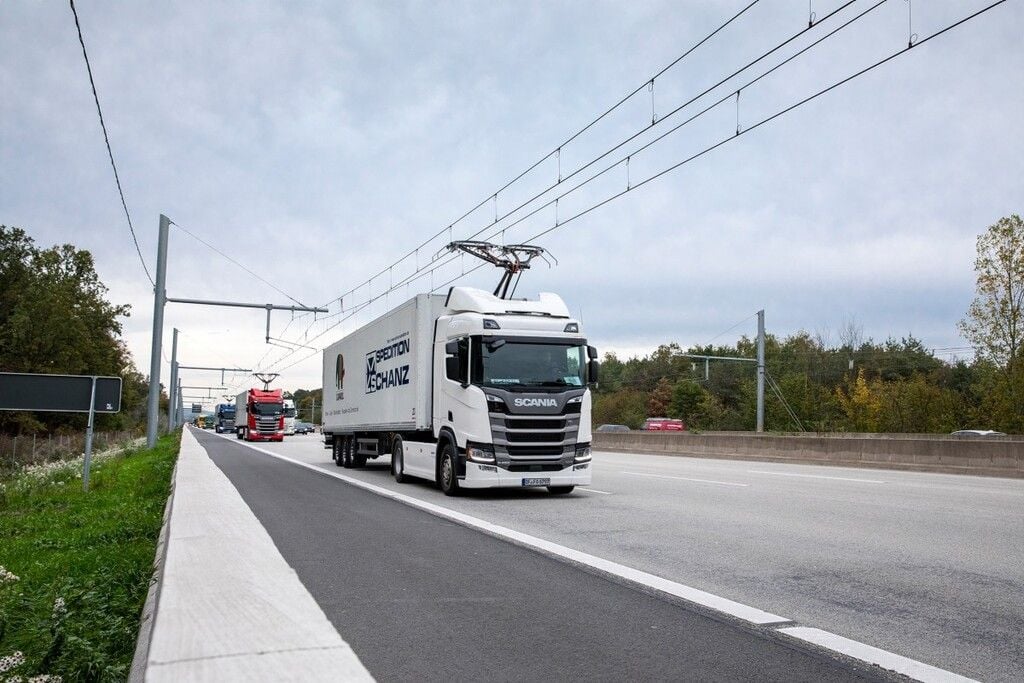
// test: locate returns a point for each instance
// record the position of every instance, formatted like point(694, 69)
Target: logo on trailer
point(378, 378)
point(534, 403)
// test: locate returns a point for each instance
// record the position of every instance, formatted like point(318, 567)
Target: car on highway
point(977, 432)
point(663, 424)
point(612, 428)
point(304, 428)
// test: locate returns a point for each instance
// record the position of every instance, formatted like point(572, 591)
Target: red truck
point(259, 415)
point(663, 424)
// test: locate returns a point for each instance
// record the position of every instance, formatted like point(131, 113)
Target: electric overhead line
point(243, 267)
point(632, 187)
point(556, 151)
point(620, 144)
point(106, 139)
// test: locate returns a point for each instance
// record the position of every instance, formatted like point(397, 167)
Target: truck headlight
point(583, 453)
point(480, 453)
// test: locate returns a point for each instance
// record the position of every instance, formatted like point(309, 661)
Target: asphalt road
point(929, 566)
point(421, 598)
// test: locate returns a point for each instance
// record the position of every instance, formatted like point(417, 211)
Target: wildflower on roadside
point(44, 678)
point(11, 662)
point(6, 576)
point(59, 609)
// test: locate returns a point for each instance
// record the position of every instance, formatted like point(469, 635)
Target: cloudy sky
point(317, 143)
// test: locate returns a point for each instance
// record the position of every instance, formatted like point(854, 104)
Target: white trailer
point(466, 389)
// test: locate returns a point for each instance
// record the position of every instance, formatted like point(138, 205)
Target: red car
point(663, 424)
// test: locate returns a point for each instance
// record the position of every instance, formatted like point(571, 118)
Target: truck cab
point(289, 417)
point(511, 392)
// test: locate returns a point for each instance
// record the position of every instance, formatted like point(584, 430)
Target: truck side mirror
point(591, 353)
point(451, 367)
point(452, 348)
point(593, 370)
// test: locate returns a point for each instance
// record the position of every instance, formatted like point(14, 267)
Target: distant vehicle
point(289, 417)
point(978, 432)
point(304, 428)
point(663, 424)
point(224, 418)
point(612, 428)
point(259, 415)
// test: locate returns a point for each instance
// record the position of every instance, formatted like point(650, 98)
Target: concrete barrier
point(990, 456)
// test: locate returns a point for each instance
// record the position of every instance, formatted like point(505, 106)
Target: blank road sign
point(58, 393)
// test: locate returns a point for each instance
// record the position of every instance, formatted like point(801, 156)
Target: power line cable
point(249, 271)
point(708, 149)
point(556, 150)
point(106, 139)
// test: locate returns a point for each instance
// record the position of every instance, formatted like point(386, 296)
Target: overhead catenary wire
point(106, 139)
point(492, 196)
point(632, 137)
point(720, 143)
point(243, 267)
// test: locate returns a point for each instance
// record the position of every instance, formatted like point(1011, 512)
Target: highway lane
point(929, 566)
point(422, 598)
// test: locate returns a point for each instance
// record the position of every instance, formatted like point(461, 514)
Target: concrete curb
point(137, 674)
point(228, 605)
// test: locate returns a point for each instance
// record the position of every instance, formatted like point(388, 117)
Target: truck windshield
point(267, 408)
point(289, 412)
point(227, 412)
point(508, 363)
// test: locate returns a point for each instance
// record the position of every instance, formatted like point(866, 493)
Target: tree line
point(55, 318)
point(854, 385)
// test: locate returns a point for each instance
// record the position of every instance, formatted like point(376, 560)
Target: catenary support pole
point(159, 298)
point(760, 370)
point(173, 384)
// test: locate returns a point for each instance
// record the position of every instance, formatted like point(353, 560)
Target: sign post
point(63, 394)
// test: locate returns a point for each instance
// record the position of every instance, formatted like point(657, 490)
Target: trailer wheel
point(398, 461)
point(336, 450)
point(560, 490)
point(448, 477)
point(346, 452)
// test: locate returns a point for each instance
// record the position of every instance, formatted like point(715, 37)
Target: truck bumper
point(488, 476)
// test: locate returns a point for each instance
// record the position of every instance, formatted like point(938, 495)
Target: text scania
point(534, 402)
point(377, 380)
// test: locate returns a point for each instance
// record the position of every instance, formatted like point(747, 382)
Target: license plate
point(536, 482)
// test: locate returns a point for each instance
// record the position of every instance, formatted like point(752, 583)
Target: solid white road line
point(635, 576)
point(587, 489)
point(816, 476)
point(873, 655)
point(702, 481)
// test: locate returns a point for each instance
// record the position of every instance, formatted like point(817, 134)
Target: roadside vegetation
point(849, 383)
point(75, 567)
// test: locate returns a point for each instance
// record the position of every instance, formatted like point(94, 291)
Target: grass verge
point(83, 563)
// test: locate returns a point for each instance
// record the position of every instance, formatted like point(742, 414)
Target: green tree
point(995, 319)
point(661, 397)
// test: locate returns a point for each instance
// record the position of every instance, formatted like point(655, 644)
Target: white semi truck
point(468, 389)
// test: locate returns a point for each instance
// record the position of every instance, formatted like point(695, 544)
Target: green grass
point(93, 550)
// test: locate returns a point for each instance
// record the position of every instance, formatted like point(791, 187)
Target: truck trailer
point(259, 415)
point(468, 390)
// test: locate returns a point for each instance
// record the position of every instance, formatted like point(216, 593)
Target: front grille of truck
point(266, 425)
point(522, 442)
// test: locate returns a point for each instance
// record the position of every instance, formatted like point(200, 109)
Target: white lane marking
point(816, 476)
point(715, 602)
point(873, 655)
point(587, 489)
point(702, 481)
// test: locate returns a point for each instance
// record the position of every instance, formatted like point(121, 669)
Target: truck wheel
point(560, 490)
point(336, 450)
point(238, 433)
point(398, 461)
point(346, 452)
point(448, 478)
